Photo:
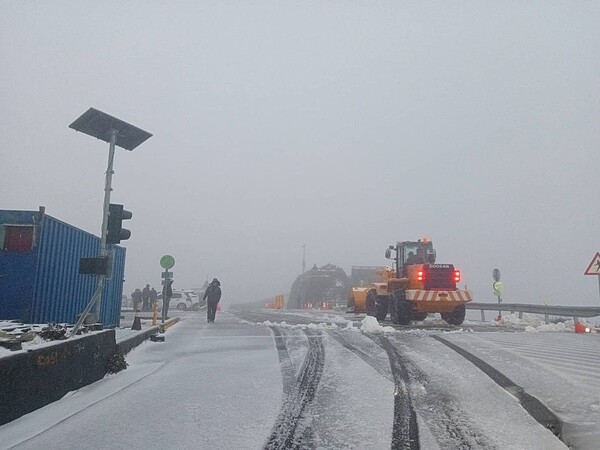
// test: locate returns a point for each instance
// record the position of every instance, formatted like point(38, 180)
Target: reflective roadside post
point(498, 287)
point(117, 133)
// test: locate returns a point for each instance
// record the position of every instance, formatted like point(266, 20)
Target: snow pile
point(309, 326)
point(29, 336)
point(534, 323)
point(319, 326)
point(552, 327)
point(336, 319)
point(370, 325)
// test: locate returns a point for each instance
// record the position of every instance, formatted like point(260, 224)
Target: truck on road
point(413, 287)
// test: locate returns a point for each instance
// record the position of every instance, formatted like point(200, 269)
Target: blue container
point(39, 270)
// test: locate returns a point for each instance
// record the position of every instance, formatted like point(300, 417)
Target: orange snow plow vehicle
point(414, 287)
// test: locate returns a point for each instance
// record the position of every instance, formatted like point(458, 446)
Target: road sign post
point(496, 274)
point(166, 262)
point(498, 287)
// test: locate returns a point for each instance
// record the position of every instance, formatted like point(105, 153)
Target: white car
point(181, 300)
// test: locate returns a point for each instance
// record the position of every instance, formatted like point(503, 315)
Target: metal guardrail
point(546, 310)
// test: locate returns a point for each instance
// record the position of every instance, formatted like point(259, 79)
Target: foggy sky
point(344, 126)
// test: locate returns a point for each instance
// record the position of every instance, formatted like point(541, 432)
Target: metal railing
point(546, 310)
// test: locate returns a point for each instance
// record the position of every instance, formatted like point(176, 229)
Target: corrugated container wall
point(39, 270)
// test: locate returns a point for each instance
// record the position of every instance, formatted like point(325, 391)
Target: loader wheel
point(401, 308)
point(382, 309)
point(392, 308)
point(378, 306)
point(456, 317)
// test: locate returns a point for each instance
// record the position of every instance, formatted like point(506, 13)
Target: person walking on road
point(153, 298)
point(166, 295)
point(212, 297)
point(146, 298)
point(136, 297)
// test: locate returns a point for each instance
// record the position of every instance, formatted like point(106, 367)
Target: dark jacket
point(213, 293)
point(168, 289)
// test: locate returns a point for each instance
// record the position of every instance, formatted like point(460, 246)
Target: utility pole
point(303, 258)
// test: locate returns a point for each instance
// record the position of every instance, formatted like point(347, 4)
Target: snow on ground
point(212, 386)
point(216, 386)
point(560, 369)
point(345, 417)
point(220, 386)
point(342, 415)
point(473, 405)
point(328, 320)
point(454, 394)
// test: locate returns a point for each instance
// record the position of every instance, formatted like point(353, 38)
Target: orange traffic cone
point(582, 328)
point(137, 323)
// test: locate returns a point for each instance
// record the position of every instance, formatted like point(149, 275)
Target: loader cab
point(409, 253)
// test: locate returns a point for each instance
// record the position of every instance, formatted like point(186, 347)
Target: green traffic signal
point(116, 233)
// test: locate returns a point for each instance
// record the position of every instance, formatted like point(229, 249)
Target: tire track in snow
point(450, 425)
point(536, 409)
point(292, 428)
point(405, 432)
point(287, 368)
point(365, 356)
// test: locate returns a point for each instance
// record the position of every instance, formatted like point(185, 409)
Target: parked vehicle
point(182, 300)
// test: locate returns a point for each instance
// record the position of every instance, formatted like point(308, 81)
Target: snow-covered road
point(263, 380)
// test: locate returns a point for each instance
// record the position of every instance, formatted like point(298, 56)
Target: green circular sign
point(167, 261)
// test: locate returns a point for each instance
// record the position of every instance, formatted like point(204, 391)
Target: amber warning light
point(457, 276)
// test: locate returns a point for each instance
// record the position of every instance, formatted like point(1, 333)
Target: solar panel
point(99, 125)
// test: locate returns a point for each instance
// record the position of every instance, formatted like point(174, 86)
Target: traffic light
point(116, 216)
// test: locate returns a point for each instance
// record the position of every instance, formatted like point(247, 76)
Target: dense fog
point(344, 127)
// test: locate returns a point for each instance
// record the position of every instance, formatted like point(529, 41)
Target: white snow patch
point(534, 323)
point(310, 326)
point(370, 325)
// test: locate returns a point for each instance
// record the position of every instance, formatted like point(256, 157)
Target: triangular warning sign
point(594, 267)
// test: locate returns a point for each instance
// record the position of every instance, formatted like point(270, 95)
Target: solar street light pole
point(107, 191)
point(106, 128)
point(96, 300)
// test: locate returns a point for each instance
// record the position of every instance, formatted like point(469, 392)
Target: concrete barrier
point(32, 379)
